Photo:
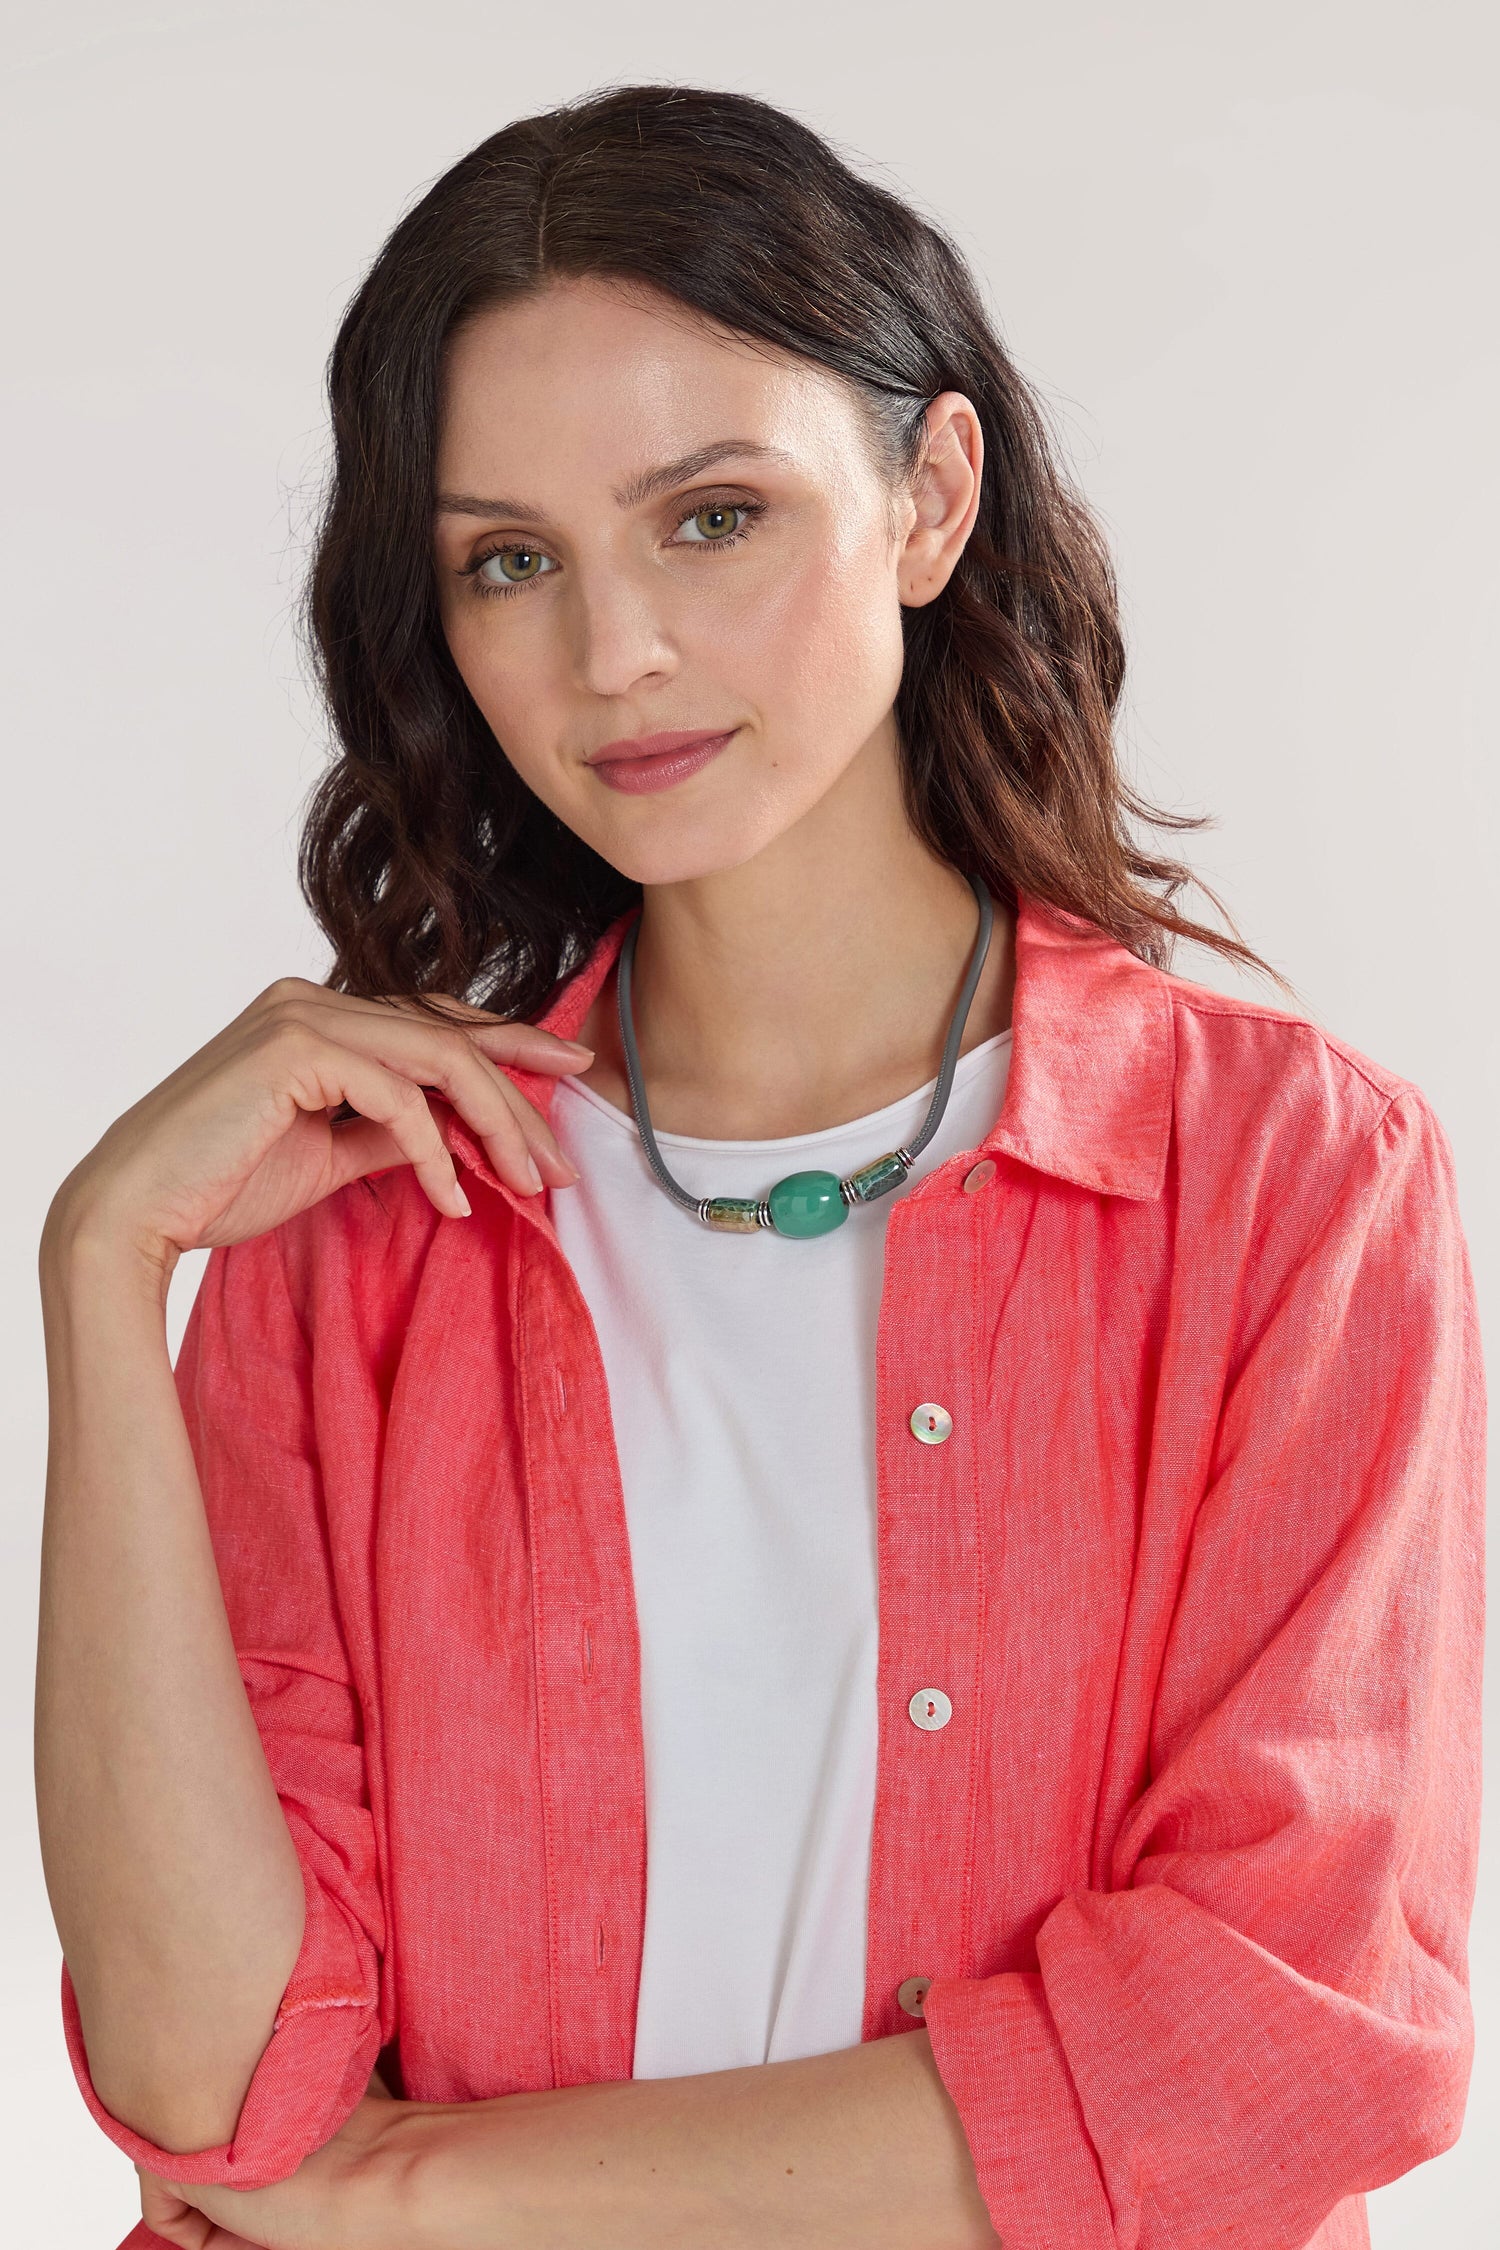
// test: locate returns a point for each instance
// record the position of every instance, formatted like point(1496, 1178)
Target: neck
point(809, 985)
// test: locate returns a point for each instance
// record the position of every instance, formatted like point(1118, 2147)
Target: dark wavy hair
point(427, 862)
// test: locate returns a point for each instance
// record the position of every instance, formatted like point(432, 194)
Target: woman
point(723, 674)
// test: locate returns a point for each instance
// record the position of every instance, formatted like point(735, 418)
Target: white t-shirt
point(741, 1370)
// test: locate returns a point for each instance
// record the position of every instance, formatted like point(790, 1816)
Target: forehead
point(593, 377)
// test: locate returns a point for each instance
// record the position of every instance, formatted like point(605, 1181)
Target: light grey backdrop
point(1249, 256)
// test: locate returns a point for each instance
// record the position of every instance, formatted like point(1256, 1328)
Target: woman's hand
point(242, 1135)
point(333, 2201)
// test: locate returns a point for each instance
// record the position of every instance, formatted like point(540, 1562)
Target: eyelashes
point(488, 588)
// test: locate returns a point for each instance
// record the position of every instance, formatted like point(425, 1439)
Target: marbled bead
point(807, 1203)
point(733, 1214)
point(876, 1178)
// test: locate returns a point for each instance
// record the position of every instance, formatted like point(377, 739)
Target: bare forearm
point(849, 2151)
point(172, 1877)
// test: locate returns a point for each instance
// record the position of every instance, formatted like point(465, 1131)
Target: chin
point(657, 854)
point(664, 865)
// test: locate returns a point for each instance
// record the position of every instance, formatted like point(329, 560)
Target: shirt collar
point(1089, 1092)
point(1088, 1095)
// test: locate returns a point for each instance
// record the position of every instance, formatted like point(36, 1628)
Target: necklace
point(804, 1203)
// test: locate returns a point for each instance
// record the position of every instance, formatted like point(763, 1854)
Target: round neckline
point(919, 1097)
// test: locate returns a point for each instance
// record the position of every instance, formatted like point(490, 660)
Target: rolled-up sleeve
point(1267, 2009)
point(244, 1380)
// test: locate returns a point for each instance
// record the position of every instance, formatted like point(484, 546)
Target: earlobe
point(921, 588)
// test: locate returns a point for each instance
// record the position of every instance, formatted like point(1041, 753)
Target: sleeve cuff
point(998, 2055)
point(308, 2082)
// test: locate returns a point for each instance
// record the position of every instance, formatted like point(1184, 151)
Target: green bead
point(807, 1203)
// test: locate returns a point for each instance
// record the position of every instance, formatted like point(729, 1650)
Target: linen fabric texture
point(1200, 1568)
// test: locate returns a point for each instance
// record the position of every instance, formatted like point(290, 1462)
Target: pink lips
point(656, 761)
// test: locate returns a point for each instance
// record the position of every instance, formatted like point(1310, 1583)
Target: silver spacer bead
point(764, 1213)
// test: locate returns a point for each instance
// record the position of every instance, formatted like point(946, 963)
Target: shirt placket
point(587, 1653)
point(931, 1595)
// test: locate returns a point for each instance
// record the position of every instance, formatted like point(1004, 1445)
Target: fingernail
point(463, 1202)
point(533, 1174)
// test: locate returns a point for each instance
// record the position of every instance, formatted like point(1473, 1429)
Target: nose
point(619, 631)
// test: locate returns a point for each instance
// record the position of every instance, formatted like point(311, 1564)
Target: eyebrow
point(648, 485)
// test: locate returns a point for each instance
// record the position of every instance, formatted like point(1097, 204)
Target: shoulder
point(1276, 1112)
point(1133, 1077)
point(1247, 1057)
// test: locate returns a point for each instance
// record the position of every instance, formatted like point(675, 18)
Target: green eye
point(716, 521)
point(527, 559)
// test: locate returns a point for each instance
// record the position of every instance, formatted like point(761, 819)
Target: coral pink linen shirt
point(1190, 1867)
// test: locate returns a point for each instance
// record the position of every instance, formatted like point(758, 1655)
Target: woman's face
point(643, 526)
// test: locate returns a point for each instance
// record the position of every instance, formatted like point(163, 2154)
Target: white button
point(931, 1423)
point(980, 1177)
point(930, 1708)
point(913, 1995)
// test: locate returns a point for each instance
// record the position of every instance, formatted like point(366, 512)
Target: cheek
point(509, 673)
point(820, 647)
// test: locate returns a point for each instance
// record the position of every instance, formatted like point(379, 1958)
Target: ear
point(946, 497)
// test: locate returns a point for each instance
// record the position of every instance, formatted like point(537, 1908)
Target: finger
point(527, 1045)
point(447, 1058)
point(498, 1043)
point(540, 1142)
point(320, 1074)
point(505, 1121)
point(540, 1138)
point(363, 1147)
